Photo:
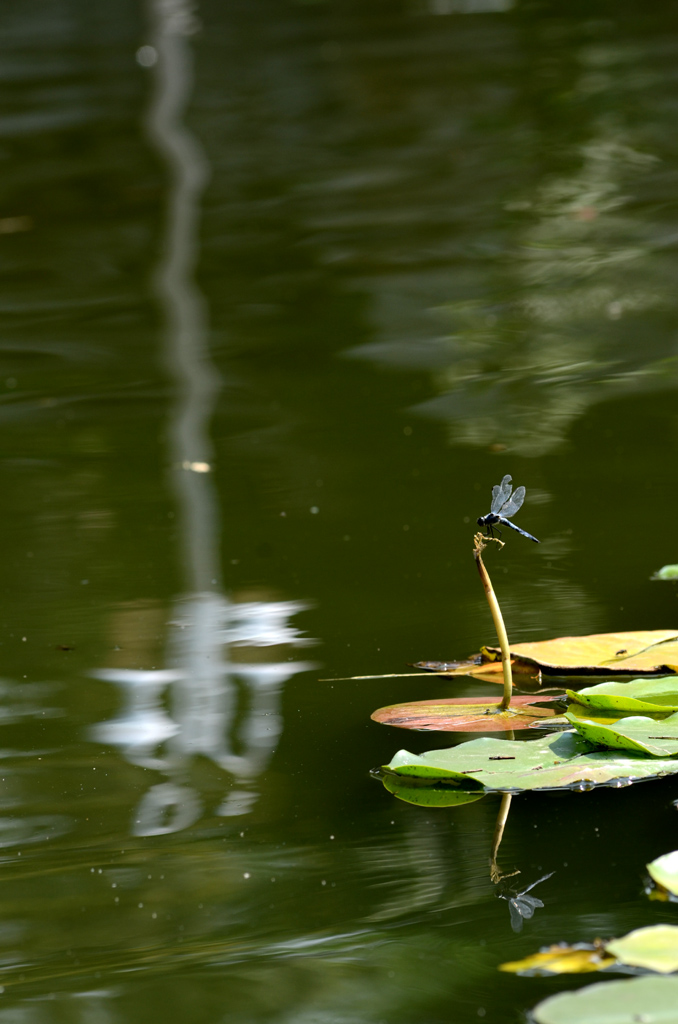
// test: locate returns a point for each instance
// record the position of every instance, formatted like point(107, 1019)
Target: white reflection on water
point(205, 702)
point(143, 725)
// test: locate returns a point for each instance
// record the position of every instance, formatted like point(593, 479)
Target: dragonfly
point(504, 505)
point(522, 906)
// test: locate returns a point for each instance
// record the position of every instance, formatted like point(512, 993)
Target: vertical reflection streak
point(205, 686)
point(186, 350)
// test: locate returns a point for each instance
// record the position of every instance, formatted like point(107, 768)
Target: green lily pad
point(562, 761)
point(659, 739)
point(430, 792)
point(655, 948)
point(637, 695)
point(607, 717)
point(632, 1001)
point(667, 572)
point(664, 871)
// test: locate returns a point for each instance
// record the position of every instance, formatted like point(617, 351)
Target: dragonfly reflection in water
point(522, 906)
point(504, 504)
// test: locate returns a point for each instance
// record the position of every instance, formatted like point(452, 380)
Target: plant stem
point(498, 621)
point(496, 874)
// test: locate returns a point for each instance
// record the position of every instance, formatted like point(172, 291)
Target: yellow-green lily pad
point(660, 694)
point(605, 717)
point(667, 572)
point(631, 1001)
point(658, 739)
point(664, 871)
point(646, 652)
point(654, 948)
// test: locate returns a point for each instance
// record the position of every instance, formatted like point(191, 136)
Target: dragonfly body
point(504, 505)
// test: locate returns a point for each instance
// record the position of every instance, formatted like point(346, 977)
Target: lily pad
point(487, 667)
point(431, 792)
point(655, 948)
point(667, 572)
point(659, 739)
point(580, 711)
point(647, 1000)
point(660, 694)
point(467, 714)
point(664, 871)
point(562, 761)
point(644, 652)
point(562, 959)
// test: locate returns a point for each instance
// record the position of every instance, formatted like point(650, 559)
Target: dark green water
point(358, 261)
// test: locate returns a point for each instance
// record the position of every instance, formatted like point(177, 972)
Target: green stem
point(498, 623)
point(495, 873)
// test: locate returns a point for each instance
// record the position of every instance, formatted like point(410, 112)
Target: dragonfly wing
point(542, 879)
point(526, 906)
point(501, 493)
point(516, 916)
point(513, 503)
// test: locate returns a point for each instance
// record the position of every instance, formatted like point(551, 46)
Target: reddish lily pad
point(467, 714)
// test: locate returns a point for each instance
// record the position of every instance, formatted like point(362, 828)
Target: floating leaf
point(659, 739)
point(667, 572)
point(664, 871)
point(579, 711)
point(632, 1001)
point(660, 694)
point(561, 761)
point(466, 714)
point(644, 652)
point(431, 792)
point(655, 948)
point(562, 959)
point(487, 667)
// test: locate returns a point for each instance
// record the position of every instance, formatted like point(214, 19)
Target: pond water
point(287, 288)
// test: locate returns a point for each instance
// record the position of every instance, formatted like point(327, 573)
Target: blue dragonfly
point(522, 906)
point(504, 505)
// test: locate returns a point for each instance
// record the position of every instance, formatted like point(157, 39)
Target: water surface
point(287, 289)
